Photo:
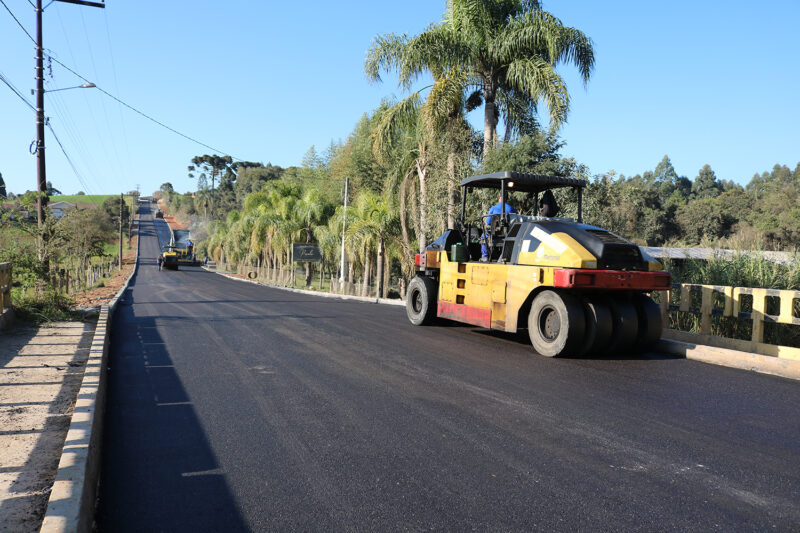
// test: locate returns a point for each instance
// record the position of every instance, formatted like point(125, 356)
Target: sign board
point(306, 253)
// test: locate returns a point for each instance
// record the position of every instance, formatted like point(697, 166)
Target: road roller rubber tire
point(599, 327)
point(556, 324)
point(650, 321)
point(626, 326)
point(421, 301)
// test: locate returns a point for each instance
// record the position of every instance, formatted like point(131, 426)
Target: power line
point(126, 144)
point(62, 111)
point(18, 22)
point(74, 168)
point(15, 90)
point(148, 117)
point(116, 160)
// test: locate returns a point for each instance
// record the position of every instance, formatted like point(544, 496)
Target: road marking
point(213, 472)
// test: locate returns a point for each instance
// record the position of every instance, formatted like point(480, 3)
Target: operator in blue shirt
point(496, 209)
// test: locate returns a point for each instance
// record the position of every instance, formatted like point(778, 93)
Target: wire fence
point(72, 280)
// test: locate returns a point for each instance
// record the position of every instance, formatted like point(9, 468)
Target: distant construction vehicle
point(576, 288)
point(170, 257)
point(184, 247)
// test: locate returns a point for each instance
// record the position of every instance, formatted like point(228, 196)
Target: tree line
point(65, 247)
point(404, 160)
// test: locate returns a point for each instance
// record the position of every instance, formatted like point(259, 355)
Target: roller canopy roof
point(521, 181)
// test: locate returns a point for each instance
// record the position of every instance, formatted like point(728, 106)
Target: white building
point(59, 209)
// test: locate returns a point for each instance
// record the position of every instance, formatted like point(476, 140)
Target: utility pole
point(121, 200)
point(41, 171)
point(41, 175)
point(344, 223)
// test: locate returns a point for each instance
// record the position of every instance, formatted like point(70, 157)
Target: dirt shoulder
point(41, 370)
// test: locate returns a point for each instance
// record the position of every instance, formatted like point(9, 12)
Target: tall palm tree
point(400, 127)
point(506, 47)
point(375, 223)
point(309, 210)
point(204, 199)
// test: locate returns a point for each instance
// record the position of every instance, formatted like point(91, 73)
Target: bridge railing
point(754, 306)
point(5, 287)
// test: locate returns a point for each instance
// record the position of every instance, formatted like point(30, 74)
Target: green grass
point(112, 249)
point(96, 199)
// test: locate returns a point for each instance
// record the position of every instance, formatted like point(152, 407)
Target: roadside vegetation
point(77, 249)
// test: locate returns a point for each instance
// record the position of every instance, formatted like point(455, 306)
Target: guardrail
point(760, 306)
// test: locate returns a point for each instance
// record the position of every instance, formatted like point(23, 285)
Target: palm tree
point(375, 223)
point(309, 211)
point(205, 200)
point(400, 128)
point(509, 50)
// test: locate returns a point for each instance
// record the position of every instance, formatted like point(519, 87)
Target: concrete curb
point(364, 299)
point(763, 364)
point(71, 506)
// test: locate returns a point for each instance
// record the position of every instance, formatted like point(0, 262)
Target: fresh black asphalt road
point(235, 407)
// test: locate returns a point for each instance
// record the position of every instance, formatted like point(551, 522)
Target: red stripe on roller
point(465, 313)
point(575, 278)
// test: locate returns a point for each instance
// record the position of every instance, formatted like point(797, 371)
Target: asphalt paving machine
point(577, 289)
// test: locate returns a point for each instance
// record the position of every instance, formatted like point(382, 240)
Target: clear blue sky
point(702, 81)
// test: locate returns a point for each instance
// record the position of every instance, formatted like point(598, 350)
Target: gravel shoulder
point(41, 370)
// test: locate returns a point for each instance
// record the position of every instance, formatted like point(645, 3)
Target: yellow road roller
point(170, 257)
point(577, 289)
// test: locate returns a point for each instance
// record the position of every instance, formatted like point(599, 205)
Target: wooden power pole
point(121, 200)
point(41, 169)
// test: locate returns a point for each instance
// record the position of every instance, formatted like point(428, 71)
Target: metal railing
point(757, 306)
point(5, 287)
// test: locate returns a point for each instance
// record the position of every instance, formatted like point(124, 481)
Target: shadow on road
point(521, 338)
point(158, 470)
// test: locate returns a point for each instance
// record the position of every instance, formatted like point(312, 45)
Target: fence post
point(759, 309)
point(706, 306)
point(686, 298)
point(663, 303)
point(6, 274)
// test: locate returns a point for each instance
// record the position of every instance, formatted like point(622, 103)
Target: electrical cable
point(126, 144)
point(148, 117)
point(67, 120)
point(15, 90)
point(115, 161)
point(62, 111)
point(69, 160)
point(18, 22)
